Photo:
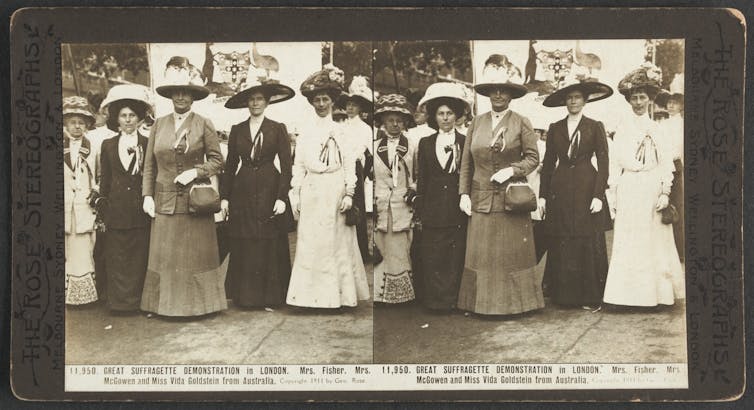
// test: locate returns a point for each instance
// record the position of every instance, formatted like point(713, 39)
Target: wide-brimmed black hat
point(181, 75)
point(274, 91)
point(499, 73)
point(592, 90)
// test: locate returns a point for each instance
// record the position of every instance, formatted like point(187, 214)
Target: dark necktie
point(451, 159)
point(573, 149)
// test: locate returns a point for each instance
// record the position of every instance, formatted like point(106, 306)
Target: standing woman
point(499, 276)
point(122, 161)
point(254, 197)
point(572, 197)
point(327, 269)
point(394, 191)
point(184, 276)
point(672, 128)
point(644, 268)
point(443, 237)
point(80, 190)
point(359, 134)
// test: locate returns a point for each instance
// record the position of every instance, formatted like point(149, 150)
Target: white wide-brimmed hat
point(452, 93)
point(360, 93)
point(134, 92)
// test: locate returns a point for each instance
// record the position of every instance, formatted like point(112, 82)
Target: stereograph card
point(377, 204)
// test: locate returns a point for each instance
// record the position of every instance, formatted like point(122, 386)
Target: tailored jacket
point(437, 190)
point(253, 188)
point(389, 195)
point(121, 189)
point(570, 186)
point(479, 161)
point(162, 162)
point(78, 183)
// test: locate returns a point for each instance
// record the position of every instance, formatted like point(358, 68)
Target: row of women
point(476, 253)
point(161, 255)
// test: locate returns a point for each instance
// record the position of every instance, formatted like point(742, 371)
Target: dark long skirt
point(416, 262)
point(258, 271)
point(100, 272)
point(576, 269)
point(677, 199)
point(125, 253)
point(442, 253)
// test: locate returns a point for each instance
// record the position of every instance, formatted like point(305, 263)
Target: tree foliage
point(669, 55)
point(109, 60)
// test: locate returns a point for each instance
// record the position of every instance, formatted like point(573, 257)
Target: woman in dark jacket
point(254, 191)
point(443, 238)
point(573, 193)
point(121, 162)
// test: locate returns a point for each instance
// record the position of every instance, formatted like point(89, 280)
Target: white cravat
point(444, 139)
point(127, 141)
point(180, 118)
point(573, 123)
point(74, 146)
point(497, 117)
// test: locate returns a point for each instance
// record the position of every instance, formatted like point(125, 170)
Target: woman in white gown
point(644, 268)
point(327, 268)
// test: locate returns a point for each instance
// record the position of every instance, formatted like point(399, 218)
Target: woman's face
point(420, 116)
point(499, 99)
point(322, 104)
point(257, 104)
point(128, 120)
point(76, 126)
point(182, 101)
point(393, 123)
point(352, 109)
point(674, 107)
point(446, 118)
point(639, 102)
point(575, 102)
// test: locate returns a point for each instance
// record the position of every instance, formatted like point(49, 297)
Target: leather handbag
point(353, 215)
point(204, 198)
point(669, 215)
point(520, 197)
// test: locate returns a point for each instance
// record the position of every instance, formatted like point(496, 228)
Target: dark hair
point(332, 93)
point(651, 92)
point(433, 105)
point(113, 111)
point(676, 98)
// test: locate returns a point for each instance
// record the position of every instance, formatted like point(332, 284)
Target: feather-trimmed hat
point(360, 93)
point(329, 79)
point(500, 73)
point(592, 90)
point(181, 75)
point(77, 105)
point(275, 91)
point(393, 103)
point(647, 77)
point(442, 93)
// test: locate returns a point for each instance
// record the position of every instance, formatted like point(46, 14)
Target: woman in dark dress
point(573, 192)
point(121, 162)
point(443, 239)
point(254, 191)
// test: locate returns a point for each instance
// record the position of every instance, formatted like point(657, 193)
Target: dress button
point(128, 189)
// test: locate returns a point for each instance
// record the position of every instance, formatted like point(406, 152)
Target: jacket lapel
point(382, 150)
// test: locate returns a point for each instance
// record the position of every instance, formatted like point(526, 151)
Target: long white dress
point(327, 267)
point(644, 268)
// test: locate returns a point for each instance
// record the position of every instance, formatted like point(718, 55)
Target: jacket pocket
point(481, 199)
point(165, 202)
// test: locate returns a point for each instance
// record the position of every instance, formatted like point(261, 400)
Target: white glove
point(224, 208)
point(148, 206)
point(186, 177)
point(279, 207)
point(502, 175)
point(596, 206)
point(346, 203)
point(542, 204)
point(662, 202)
point(465, 204)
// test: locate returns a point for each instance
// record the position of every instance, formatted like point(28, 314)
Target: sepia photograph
point(216, 203)
point(546, 218)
